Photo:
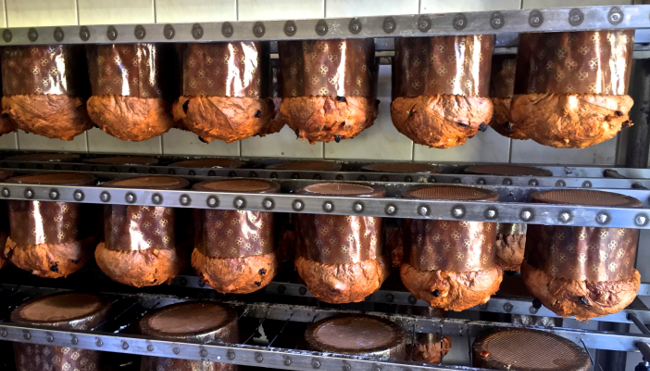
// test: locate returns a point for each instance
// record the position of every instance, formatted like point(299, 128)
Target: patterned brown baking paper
point(235, 233)
point(33, 357)
point(227, 332)
point(275, 81)
point(45, 69)
point(582, 253)
point(459, 246)
point(135, 228)
point(339, 239)
point(587, 62)
point(502, 79)
point(41, 222)
point(374, 336)
point(328, 68)
point(234, 69)
point(137, 70)
point(511, 228)
point(442, 65)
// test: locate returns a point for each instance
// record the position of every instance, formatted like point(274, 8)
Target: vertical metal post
point(638, 138)
point(607, 359)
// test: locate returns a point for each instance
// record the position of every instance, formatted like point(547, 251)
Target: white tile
point(116, 11)
point(444, 6)
point(9, 141)
point(35, 13)
point(3, 18)
point(530, 4)
point(379, 142)
point(488, 146)
point(27, 141)
point(369, 8)
point(258, 10)
point(168, 11)
point(99, 141)
point(530, 152)
point(643, 255)
point(180, 142)
point(282, 144)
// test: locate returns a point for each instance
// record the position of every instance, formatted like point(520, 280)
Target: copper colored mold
point(442, 65)
point(233, 69)
point(586, 62)
point(337, 67)
point(502, 79)
point(528, 350)
point(360, 335)
point(339, 239)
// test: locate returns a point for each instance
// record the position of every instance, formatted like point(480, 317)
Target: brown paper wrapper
point(135, 70)
point(442, 65)
point(137, 228)
point(582, 253)
point(227, 332)
point(235, 69)
point(339, 239)
point(45, 222)
point(586, 62)
point(235, 233)
point(275, 82)
point(449, 245)
point(502, 76)
point(33, 357)
point(338, 67)
point(44, 69)
point(394, 347)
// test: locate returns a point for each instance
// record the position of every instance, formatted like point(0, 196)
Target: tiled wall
point(381, 141)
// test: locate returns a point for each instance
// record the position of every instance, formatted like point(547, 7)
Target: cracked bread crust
point(571, 120)
point(563, 296)
point(130, 118)
point(509, 251)
point(343, 283)
point(441, 121)
point(455, 291)
point(502, 122)
point(50, 260)
point(324, 119)
point(236, 275)
point(141, 268)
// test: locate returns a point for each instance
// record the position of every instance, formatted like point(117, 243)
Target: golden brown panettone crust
point(456, 291)
point(276, 123)
point(509, 251)
point(441, 121)
point(51, 260)
point(324, 119)
point(130, 118)
point(141, 268)
point(236, 275)
point(226, 118)
point(430, 352)
point(571, 120)
point(53, 116)
point(343, 283)
point(563, 296)
point(502, 123)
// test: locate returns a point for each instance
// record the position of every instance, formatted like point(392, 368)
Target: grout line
point(87, 141)
point(510, 150)
point(237, 18)
point(412, 151)
point(17, 141)
point(324, 16)
point(419, 6)
point(4, 4)
point(240, 144)
point(162, 148)
point(155, 16)
point(76, 9)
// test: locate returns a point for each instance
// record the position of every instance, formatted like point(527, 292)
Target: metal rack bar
point(491, 22)
point(504, 212)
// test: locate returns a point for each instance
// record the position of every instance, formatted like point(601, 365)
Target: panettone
point(340, 257)
point(581, 271)
point(328, 87)
point(440, 88)
point(48, 238)
point(224, 90)
point(144, 245)
point(571, 87)
point(450, 264)
point(234, 251)
point(502, 89)
point(45, 89)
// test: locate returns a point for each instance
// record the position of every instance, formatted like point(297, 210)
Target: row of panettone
point(452, 265)
point(567, 90)
point(208, 322)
